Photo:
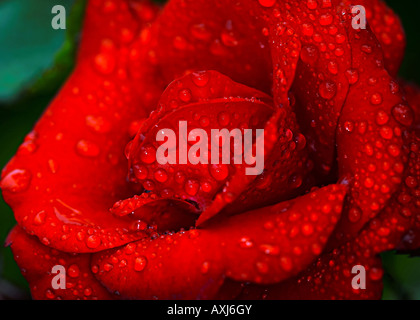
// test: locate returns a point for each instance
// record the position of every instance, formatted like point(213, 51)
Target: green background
point(34, 62)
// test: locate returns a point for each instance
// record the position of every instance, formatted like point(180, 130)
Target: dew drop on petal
point(352, 76)
point(403, 114)
point(312, 4)
point(328, 89)
point(219, 171)
point(223, 118)
point(105, 63)
point(93, 242)
point(16, 181)
point(267, 3)
point(286, 264)
point(73, 271)
point(376, 99)
point(382, 118)
point(39, 218)
point(200, 79)
point(262, 267)
point(191, 187)
point(140, 263)
point(205, 267)
point(185, 95)
point(161, 175)
point(87, 148)
point(245, 242)
point(148, 154)
point(355, 214)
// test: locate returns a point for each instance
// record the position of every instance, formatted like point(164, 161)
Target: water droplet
point(191, 187)
point(295, 181)
point(93, 242)
point(245, 242)
point(94, 269)
point(138, 225)
point(161, 175)
point(352, 76)
point(270, 249)
point(87, 292)
point(73, 271)
point(286, 264)
point(228, 38)
point(382, 118)
point(204, 121)
point(386, 133)
point(312, 4)
point(200, 79)
point(355, 214)
point(98, 124)
point(326, 19)
point(267, 3)
point(403, 114)
point(17, 180)
point(333, 67)
point(309, 54)
point(394, 150)
point(349, 126)
point(307, 229)
point(375, 274)
point(148, 154)
point(179, 177)
point(140, 172)
point(49, 294)
point(327, 89)
point(28, 147)
point(140, 263)
point(87, 149)
point(105, 63)
point(185, 95)
point(219, 171)
point(205, 267)
point(39, 219)
point(369, 183)
point(262, 267)
point(376, 99)
point(300, 141)
point(108, 267)
point(223, 118)
point(307, 29)
point(201, 32)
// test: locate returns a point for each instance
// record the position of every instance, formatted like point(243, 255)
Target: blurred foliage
point(34, 63)
point(35, 60)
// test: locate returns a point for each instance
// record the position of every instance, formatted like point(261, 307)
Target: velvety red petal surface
point(263, 246)
point(324, 93)
point(71, 168)
point(36, 262)
point(371, 152)
point(209, 101)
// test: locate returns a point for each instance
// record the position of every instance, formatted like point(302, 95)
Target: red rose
point(341, 171)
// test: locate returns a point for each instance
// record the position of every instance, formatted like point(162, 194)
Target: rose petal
point(213, 186)
point(262, 246)
point(371, 150)
point(71, 168)
point(328, 278)
point(406, 115)
point(388, 30)
point(36, 263)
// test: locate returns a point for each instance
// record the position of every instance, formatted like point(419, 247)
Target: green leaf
point(30, 44)
point(402, 277)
